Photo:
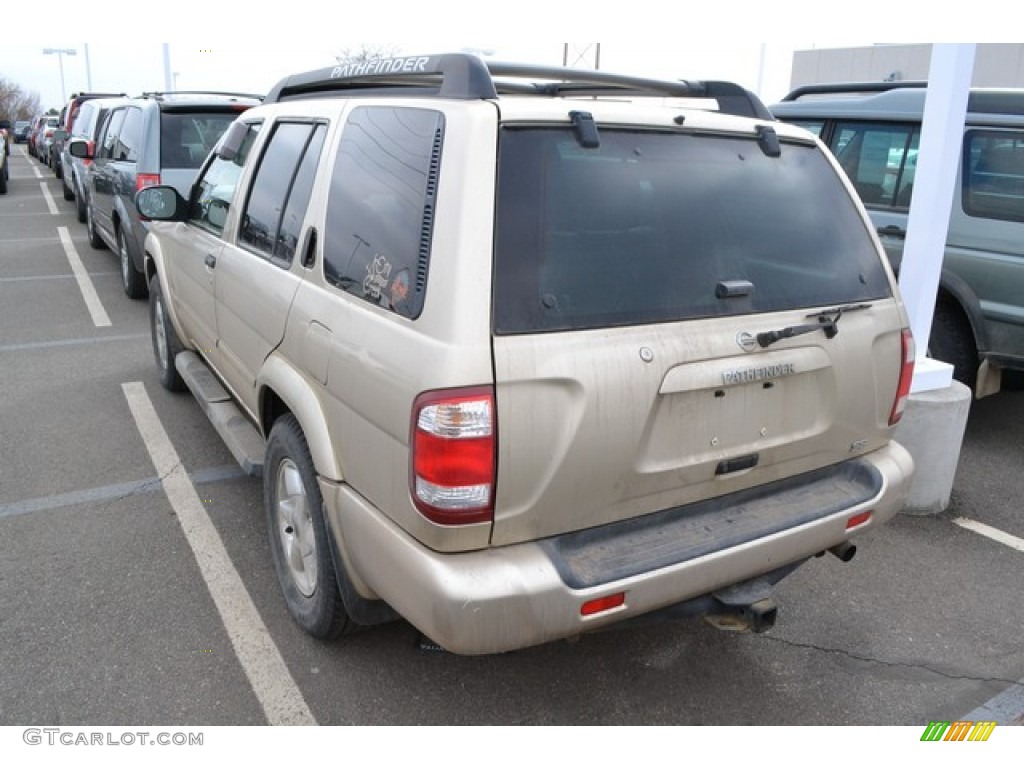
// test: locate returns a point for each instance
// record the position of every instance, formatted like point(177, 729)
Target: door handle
point(210, 260)
point(893, 231)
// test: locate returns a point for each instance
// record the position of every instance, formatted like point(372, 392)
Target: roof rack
point(161, 94)
point(467, 76)
point(821, 89)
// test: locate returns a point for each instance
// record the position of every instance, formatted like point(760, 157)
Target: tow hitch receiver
point(746, 607)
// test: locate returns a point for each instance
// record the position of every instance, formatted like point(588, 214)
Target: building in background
point(996, 65)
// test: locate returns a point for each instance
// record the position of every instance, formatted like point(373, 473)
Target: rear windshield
point(646, 227)
point(187, 138)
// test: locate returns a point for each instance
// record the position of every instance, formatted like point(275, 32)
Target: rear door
point(255, 280)
point(104, 174)
point(632, 281)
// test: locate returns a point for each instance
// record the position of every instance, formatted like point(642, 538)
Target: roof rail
point(466, 76)
point(161, 94)
point(821, 89)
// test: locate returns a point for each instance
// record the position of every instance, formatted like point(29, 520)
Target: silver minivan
point(874, 129)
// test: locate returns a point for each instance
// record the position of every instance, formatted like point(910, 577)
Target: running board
point(241, 437)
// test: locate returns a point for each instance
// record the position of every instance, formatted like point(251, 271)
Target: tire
point(295, 522)
point(166, 344)
point(133, 281)
point(952, 341)
point(90, 229)
point(80, 203)
point(69, 192)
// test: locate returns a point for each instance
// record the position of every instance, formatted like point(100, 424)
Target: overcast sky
point(133, 67)
point(246, 46)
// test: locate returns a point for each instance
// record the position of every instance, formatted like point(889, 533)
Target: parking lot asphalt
point(106, 615)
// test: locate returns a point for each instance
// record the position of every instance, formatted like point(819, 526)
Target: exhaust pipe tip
point(844, 551)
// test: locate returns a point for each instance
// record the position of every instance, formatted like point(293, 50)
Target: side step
point(241, 437)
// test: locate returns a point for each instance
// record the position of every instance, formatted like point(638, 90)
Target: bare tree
point(365, 53)
point(16, 103)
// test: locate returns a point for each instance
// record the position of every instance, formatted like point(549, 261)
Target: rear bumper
point(516, 596)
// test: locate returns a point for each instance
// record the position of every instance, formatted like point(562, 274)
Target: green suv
point(524, 352)
point(874, 129)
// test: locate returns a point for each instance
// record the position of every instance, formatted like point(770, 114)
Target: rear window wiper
point(828, 321)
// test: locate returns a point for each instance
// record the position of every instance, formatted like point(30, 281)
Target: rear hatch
point(187, 134)
point(632, 283)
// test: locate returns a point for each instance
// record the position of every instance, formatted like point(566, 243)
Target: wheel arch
point(955, 289)
point(282, 390)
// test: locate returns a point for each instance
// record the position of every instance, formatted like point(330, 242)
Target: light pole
point(60, 57)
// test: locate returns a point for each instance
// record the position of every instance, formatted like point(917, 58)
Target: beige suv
point(523, 352)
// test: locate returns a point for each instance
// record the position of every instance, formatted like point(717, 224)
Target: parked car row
point(40, 137)
point(105, 147)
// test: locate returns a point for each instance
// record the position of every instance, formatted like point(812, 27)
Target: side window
point(380, 208)
point(114, 121)
point(85, 115)
point(281, 190)
point(993, 175)
point(880, 159)
point(215, 188)
point(126, 147)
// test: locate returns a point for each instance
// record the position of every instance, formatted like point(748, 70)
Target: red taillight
point(143, 180)
point(453, 442)
point(906, 376)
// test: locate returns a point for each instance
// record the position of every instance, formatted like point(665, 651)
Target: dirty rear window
point(643, 228)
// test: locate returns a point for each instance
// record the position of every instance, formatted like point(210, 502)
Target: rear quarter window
point(644, 228)
point(380, 208)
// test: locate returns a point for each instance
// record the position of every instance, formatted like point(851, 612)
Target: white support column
point(945, 109)
point(933, 426)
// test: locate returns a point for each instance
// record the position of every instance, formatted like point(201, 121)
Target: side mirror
point(80, 148)
point(161, 203)
point(231, 141)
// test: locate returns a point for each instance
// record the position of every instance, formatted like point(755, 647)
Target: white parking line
point(271, 681)
point(92, 299)
point(993, 533)
point(49, 198)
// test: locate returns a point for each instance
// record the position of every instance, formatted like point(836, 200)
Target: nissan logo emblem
point(746, 341)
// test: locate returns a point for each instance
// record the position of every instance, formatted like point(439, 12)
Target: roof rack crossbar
point(467, 76)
